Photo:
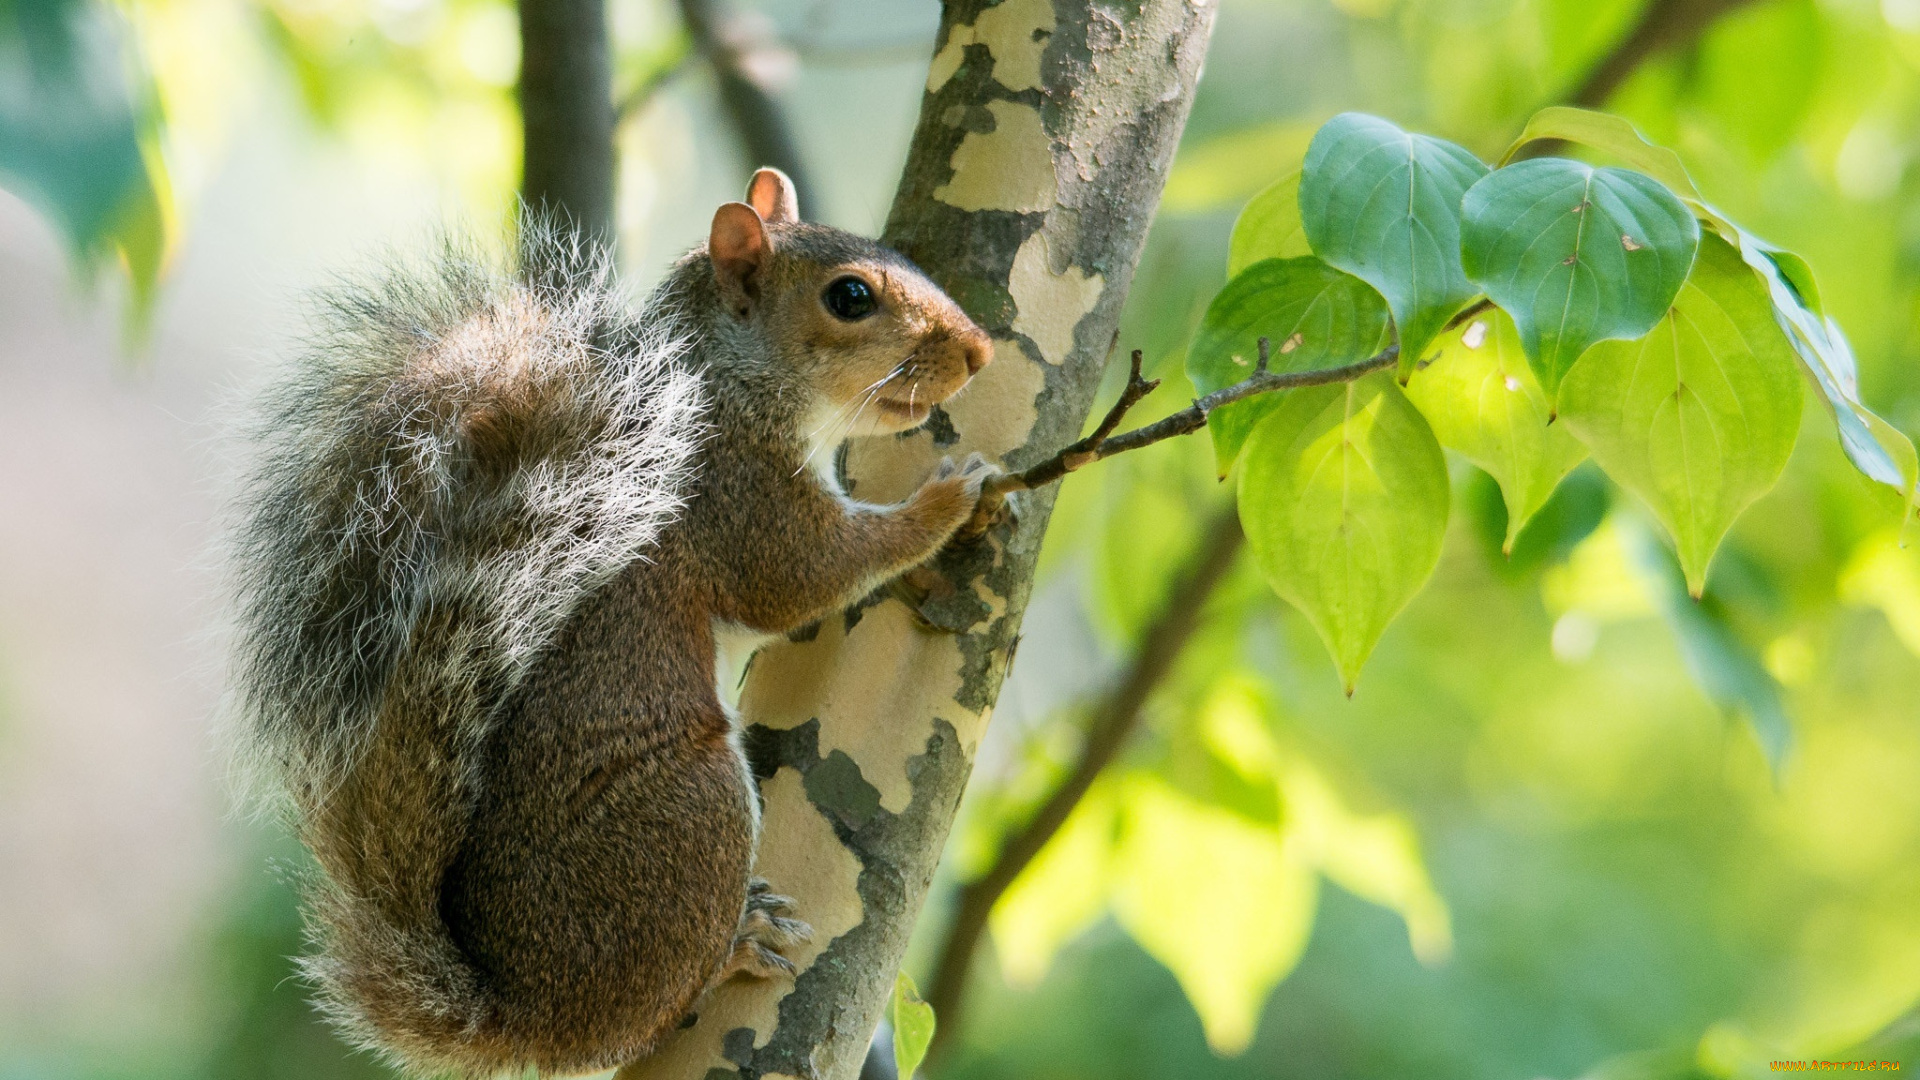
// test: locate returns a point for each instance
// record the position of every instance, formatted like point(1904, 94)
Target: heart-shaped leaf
point(1312, 316)
point(1225, 904)
point(1698, 417)
point(1609, 134)
point(1575, 254)
point(1384, 206)
point(1269, 226)
point(1878, 449)
point(1344, 499)
point(912, 1027)
point(1483, 402)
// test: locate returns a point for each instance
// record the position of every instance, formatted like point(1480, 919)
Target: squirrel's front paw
point(954, 488)
point(764, 931)
point(973, 472)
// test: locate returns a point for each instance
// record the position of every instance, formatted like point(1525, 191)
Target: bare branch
point(740, 54)
point(1113, 723)
point(668, 68)
point(1664, 25)
point(1101, 444)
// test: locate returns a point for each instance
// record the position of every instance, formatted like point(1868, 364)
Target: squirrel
point(497, 525)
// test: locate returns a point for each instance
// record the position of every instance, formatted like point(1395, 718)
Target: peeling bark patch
point(939, 427)
point(997, 412)
point(1008, 168)
point(819, 1035)
point(836, 786)
point(1015, 34)
point(947, 61)
point(884, 653)
point(737, 1045)
point(1050, 305)
point(823, 1034)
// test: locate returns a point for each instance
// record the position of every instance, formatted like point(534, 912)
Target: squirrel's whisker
point(841, 412)
point(873, 390)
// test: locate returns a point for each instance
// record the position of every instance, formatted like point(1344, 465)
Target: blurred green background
point(1541, 840)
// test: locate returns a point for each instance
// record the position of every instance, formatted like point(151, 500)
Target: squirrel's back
point(464, 452)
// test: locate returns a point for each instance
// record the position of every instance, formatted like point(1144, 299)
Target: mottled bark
point(566, 112)
point(1044, 138)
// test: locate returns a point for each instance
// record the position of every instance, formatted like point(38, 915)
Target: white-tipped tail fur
point(463, 453)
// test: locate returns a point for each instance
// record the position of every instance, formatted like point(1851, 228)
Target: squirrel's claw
point(756, 961)
point(764, 930)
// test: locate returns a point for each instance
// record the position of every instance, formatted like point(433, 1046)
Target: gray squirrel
point(497, 524)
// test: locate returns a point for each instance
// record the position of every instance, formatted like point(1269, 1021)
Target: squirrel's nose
point(978, 350)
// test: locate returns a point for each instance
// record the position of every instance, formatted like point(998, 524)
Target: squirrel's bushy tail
point(464, 451)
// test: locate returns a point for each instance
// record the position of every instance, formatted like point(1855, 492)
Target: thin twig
point(1111, 726)
point(765, 136)
point(1102, 444)
point(664, 72)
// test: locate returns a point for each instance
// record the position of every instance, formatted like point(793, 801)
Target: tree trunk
point(566, 112)
point(1044, 138)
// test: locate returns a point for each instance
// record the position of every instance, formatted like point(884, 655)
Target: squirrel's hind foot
point(764, 931)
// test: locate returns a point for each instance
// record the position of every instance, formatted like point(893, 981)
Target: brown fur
point(555, 886)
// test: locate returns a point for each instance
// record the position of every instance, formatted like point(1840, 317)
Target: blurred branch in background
point(1103, 444)
point(748, 62)
point(665, 66)
point(566, 112)
point(1664, 25)
point(1112, 725)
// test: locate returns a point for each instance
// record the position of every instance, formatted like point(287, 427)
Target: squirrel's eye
point(850, 299)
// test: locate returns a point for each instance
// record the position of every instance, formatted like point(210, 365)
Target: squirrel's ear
point(772, 193)
point(740, 251)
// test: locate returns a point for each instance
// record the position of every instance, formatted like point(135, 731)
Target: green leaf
point(1575, 254)
point(1062, 891)
point(1384, 206)
point(1724, 667)
point(1611, 135)
point(1224, 904)
point(1697, 418)
point(1269, 226)
point(1575, 510)
point(1224, 757)
point(78, 139)
point(912, 1027)
point(1482, 401)
point(1312, 316)
point(1344, 499)
point(1376, 857)
point(1879, 450)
